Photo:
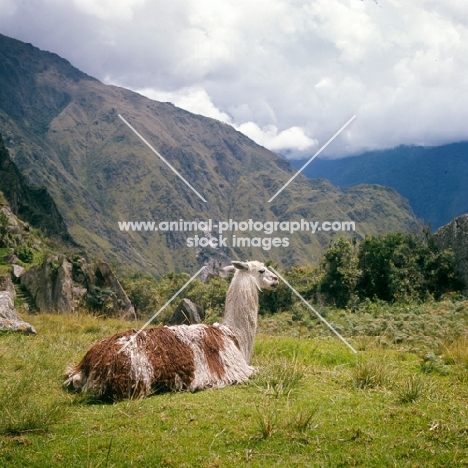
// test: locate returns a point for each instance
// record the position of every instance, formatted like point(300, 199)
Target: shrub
point(279, 377)
point(370, 374)
point(411, 389)
point(431, 364)
point(148, 294)
point(341, 272)
point(143, 294)
point(99, 299)
point(25, 253)
point(404, 267)
point(210, 296)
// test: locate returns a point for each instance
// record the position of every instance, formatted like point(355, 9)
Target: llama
point(182, 357)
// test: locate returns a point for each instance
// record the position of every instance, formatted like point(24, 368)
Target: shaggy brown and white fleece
point(184, 357)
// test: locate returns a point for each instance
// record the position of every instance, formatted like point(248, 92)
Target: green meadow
point(401, 401)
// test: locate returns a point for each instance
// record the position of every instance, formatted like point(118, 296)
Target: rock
point(57, 285)
point(79, 291)
point(51, 286)
point(454, 235)
point(11, 218)
point(106, 277)
point(99, 276)
point(9, 319)
point(187, 313)
point(18, 271)
point(7, 285)
point(10, 258)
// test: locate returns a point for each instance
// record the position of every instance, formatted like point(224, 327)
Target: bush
point(25, 253)
point(99, 299)
point(148, 294)
point(142, 292)
point(341, 272)
point(412, 388)
point(404, 267)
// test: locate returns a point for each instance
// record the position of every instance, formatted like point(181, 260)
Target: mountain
point(32, 204)
point(63, 131)
point(433, 179)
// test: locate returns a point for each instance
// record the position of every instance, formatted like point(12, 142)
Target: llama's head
point(263, 277)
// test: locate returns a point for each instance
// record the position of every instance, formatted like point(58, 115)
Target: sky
point(288, 74)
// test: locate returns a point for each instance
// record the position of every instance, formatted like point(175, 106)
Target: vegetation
point(341, 272)
point(313, 403)
point(400, 402)
point(395, 267)
point(25, 253)
point(392, 268)
point(404, 267)
point(148, 295)
point(4, 232)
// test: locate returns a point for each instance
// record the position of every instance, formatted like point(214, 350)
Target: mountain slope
point(432, 179)
point(31, 204)
point(63, 131)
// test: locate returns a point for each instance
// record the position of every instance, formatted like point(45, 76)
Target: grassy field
point(397, 403)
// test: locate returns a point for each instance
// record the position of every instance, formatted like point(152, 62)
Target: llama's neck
point(241, 311)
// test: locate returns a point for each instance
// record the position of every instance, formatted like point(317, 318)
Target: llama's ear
point(229, 269)
point(240, 265)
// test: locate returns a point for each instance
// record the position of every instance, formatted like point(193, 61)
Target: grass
point(412, 388)
point(311, 404)
point(21, 409)
point(371, 374)
point(278, 377)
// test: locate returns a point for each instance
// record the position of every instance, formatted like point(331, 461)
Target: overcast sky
point(288, 74)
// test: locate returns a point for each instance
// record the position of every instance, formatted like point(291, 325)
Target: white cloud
point(284, 72)
point(7, 7)
point(109, 9)
point(195, 100)
point(292, 138)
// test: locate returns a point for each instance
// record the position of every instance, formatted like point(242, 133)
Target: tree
point(341, 272)
point(403, 267)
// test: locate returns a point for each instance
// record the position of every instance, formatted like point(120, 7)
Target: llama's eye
point(261, 271)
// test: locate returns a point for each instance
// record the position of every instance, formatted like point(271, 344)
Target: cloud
point(195, 100)
point(108, 9)
point(285, 73)
point(7, 7)
point(291, 139)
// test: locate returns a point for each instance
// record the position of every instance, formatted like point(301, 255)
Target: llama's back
point(181, 357)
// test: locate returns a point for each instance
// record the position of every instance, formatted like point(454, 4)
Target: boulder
point(9, 319)
point(51, 285)
point(98, 278)
point(57, 285)
point(104, 277)
point(187, 313)
point(10, 259)
point(18, 271)
point(7, 285)
point(454, 235)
